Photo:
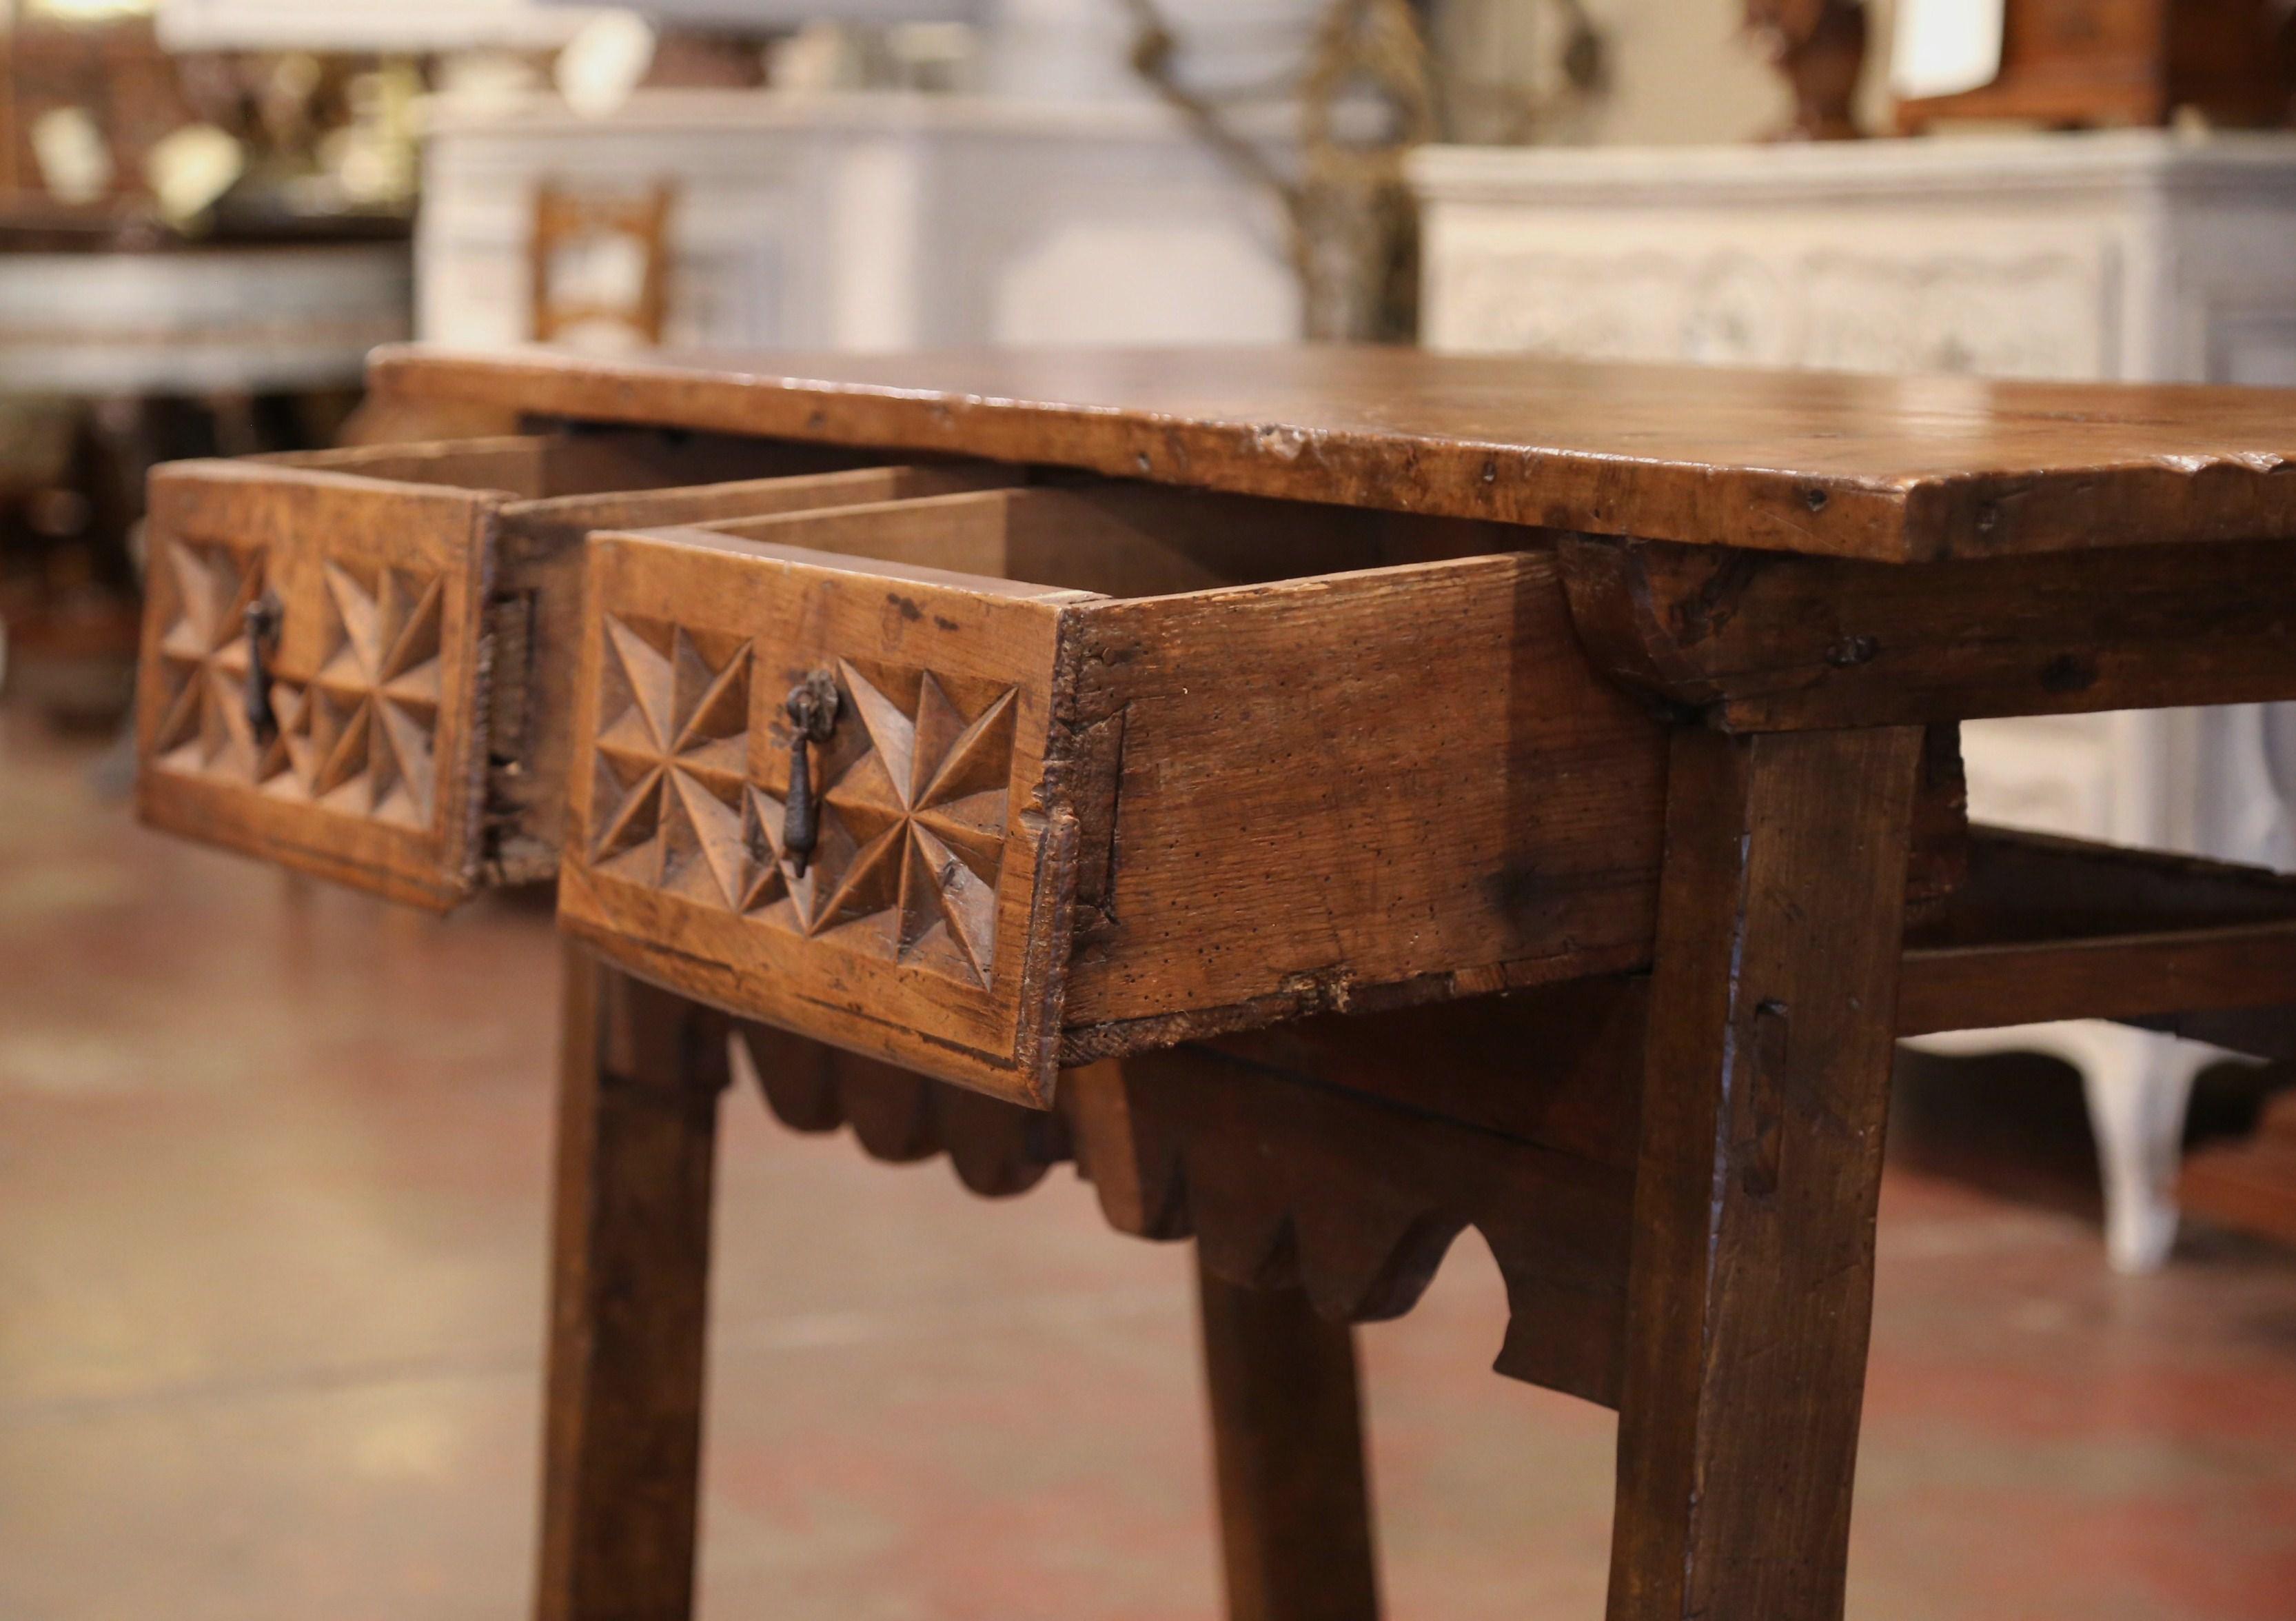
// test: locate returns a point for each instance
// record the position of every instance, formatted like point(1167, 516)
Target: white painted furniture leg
point(2137, 1084)
point(2137, 1088)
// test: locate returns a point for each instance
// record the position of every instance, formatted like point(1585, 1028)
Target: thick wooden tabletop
point(1895, 469)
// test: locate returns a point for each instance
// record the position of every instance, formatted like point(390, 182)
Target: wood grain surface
point(1758, 642)
point(1296, 1536)
point(931, 926)
point(1766, 1084)
point(371, 768)
point(1280, 804)
point(1893, 469)
point(1314, 810)
point(419, 676)
point(637, 1131)
point(2049, 928)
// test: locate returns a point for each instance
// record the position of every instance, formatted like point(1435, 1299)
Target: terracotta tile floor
point(271, 1224)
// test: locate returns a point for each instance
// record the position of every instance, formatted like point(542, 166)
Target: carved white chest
point(2143, 256)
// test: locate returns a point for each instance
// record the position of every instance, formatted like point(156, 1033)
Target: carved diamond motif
point(204, 656)
point(912, 816)
point(912, 826)
point(672, 762)
point(363, 738)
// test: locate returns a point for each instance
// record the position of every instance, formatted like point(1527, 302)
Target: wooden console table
point(1333, 798)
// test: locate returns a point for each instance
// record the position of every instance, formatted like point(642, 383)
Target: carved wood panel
point(927, 924)
point(1286, 1182)
point(201, 595)
point(358, 753)
point(996, 1149)
point(361, 736)
point(916, 787)
point(1269, 1154)
point(1285, 1175)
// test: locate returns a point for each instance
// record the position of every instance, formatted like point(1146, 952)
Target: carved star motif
point(912, 829)
point(672, 762)
point(363, 738)
point(205, 657)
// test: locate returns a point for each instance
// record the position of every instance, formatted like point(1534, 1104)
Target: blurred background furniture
point(2135, 255)
point(870, 220)
point(97, 309)
point(196, 252)
point(2069, 63)
point(406, 26)
point(136, 344)
point(1819, 47)
point(2251, 1185)
point(598, 264)
point(852, 174)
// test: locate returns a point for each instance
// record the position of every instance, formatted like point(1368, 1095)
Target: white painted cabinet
point(2137, 255)
point(871, 221)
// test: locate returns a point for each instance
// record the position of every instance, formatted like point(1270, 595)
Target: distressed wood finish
point(1411, 794)
point(416, 684)
point(996, 1149)
point(538, 622)
point(1288, 1456)
point(2049, 928)
point(1310, 813)
point(1285, 1183)
point(930, 925)
point(1767, 1068)
point(367, 769)
point(629, 1283)
point(1216, 808)
point(1894, 469)
point(1766, 643)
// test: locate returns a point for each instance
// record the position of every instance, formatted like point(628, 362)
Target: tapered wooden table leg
point(1288, 1451)
point(637, 1124)
point(1766, 1084)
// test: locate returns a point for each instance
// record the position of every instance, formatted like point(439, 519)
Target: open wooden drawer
point(402, 606)
point(1110, 767)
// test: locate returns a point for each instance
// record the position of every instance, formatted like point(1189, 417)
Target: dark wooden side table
point(1333, 798)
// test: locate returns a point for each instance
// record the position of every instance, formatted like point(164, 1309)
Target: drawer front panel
point(357, 753)
point(1060, 825)
point(420, 610)
point(539, 617)
point(928, 923)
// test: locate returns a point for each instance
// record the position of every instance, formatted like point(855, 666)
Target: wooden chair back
point(599, 263)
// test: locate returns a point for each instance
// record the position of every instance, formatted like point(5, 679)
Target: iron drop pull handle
point(812, 705)
point(262, 620)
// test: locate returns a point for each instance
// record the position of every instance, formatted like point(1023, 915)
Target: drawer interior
point(1121, 540)
point(535, 607)
point(1121, 764)
point(1111, 766)
point(575, 461)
